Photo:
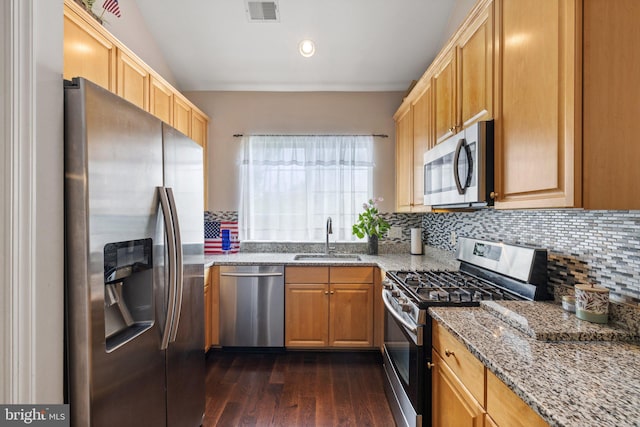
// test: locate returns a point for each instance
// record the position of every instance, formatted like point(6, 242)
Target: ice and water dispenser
point(128, 290)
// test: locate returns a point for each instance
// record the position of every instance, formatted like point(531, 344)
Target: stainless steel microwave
point(458, 172)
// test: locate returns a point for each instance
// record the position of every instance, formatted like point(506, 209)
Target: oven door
point(404, 365)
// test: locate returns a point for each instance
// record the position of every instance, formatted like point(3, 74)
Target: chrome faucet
point(329, 230)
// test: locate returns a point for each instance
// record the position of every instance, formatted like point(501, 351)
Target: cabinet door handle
point(430, 365)
point(493, 195)
point(449, 353)
point(332, 292)
point(326, 292)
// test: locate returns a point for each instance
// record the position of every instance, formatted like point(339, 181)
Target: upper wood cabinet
point(422, 141)
point(557, 77)
point(475, 56)
point(161, 100)
point(88, 51)
point(567, 119)
point(537, 130)
point(444, 89)
point(181, 115)
point(455, 92)
point(414, 136)
point(463, 76)
point(404, 159)
point(611, 77)
point(132, 80)
point(199, 125)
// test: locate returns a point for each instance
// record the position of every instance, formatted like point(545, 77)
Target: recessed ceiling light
point(307, 48)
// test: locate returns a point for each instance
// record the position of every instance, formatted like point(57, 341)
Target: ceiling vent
point(262, 11)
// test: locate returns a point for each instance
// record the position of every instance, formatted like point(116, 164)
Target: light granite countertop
point(571, 380)
point(433, 259)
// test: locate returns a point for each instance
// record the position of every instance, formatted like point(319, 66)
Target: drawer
point(306, 275)
point(351, 275)
point(465, 365)
point(506, 408)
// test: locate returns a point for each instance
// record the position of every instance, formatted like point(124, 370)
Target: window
point(291, 184)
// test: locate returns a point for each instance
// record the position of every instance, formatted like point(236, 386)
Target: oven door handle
point(407, 325)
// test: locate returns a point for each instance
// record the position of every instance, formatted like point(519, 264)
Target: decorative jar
point(592, 303)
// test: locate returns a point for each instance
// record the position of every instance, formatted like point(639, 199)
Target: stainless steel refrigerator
point(134, 265)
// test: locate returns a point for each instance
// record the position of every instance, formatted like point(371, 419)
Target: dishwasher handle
point(252, 274)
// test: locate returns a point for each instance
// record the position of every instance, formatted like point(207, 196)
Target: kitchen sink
point(327, 257)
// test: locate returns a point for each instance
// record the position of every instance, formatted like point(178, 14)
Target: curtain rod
point(376, 135)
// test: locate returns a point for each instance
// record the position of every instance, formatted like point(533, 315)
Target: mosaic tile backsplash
point(600, 247)
point(406, 221)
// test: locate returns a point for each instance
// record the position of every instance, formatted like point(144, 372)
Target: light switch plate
point(395, 232)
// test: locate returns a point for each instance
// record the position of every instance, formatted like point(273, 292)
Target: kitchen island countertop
point(569, 383)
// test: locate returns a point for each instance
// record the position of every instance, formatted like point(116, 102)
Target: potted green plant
point(371, 224)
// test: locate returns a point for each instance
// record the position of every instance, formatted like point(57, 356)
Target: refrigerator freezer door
point(185, 356)
point(113, 164)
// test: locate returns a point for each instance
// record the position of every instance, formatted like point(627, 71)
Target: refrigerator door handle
point(179, 265)
point(170, 234)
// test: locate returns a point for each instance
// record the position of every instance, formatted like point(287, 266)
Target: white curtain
point(291, 184)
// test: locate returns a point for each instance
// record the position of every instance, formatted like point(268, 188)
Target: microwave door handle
point(456, 174)
point(467, 148)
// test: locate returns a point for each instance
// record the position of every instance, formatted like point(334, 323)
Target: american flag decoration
point(112, 6)
point(214, 236)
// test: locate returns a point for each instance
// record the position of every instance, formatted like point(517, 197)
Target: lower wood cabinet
point(329, 307)
point(211, 307)
point(207, 309)
point(465, 393)
point(306, 311)
point(505, 408)
point(452, 404)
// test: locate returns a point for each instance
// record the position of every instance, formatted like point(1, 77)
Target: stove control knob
point(406, 308)
point(395, 293)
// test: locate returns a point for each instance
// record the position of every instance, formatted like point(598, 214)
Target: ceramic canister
point(592, 303)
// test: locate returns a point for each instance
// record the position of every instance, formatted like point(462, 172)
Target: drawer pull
point(449, 353)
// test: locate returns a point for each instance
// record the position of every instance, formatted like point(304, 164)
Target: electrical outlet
point(454, 238)
point(395, 232)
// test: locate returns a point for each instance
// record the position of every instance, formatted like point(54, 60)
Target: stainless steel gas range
point(488, 271)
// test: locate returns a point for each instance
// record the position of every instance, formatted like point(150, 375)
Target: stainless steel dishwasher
point(252, 306)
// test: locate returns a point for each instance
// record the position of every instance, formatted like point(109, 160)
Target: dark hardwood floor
point(296, 389)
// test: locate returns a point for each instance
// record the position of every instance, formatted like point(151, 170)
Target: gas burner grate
point(450, 286)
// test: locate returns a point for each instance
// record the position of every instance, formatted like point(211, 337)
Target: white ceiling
point(361, 45)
